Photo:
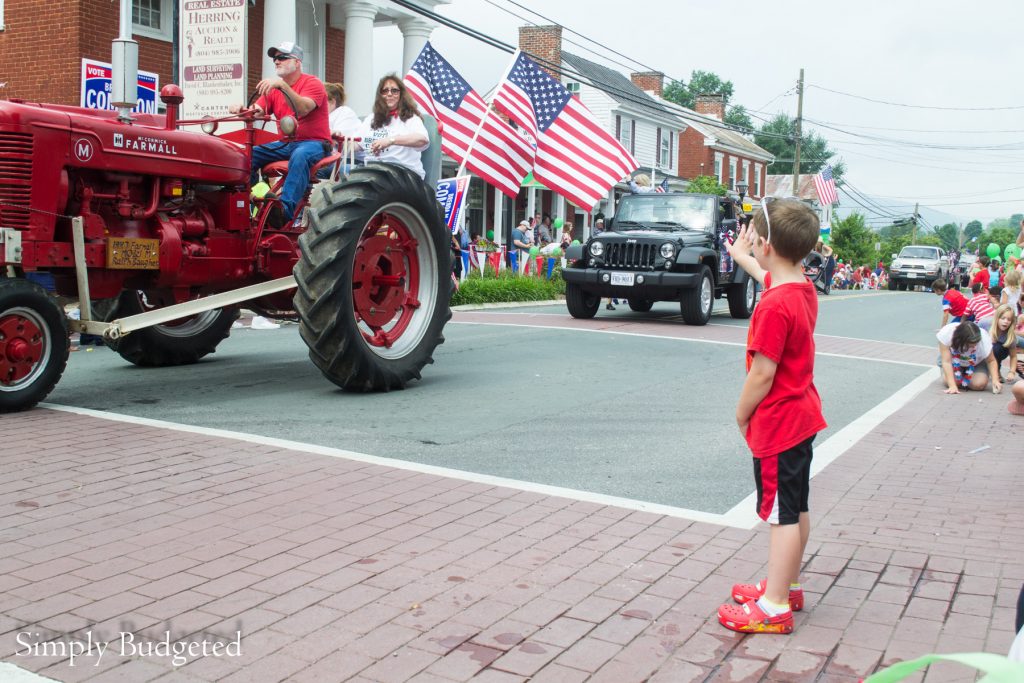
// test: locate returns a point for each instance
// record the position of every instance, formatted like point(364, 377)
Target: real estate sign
point(212, 56)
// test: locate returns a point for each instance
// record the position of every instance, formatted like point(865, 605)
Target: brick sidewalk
point(338, 570)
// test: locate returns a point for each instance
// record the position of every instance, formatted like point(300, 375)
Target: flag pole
point(487, 112)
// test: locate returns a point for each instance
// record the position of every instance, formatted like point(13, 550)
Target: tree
point(701, 83)
point(973, 230)
point(706, 184)
point(853, 241)
point(949, 235)
point(1000, 235)
point(778, 136)
point(738, 116)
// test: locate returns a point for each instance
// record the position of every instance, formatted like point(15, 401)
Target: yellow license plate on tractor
point(127, 253)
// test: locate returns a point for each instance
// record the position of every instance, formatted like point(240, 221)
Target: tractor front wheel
point(179, 342)
point(374, 278)
point(33, 344)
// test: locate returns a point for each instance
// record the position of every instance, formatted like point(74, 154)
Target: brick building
point(42, 44)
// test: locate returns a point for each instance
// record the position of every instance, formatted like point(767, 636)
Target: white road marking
point(685, 339)
point(10, 673)
point(742, 514)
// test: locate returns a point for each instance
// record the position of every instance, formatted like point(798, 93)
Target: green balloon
point(490, 235)
point(558, 223)
point(556, 252)
point(575, 243)
point(534, 251)
point(1016, 251)
point(1010, 251)
point(992, 250)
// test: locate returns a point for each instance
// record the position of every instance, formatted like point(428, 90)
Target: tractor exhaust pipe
point(124, 60)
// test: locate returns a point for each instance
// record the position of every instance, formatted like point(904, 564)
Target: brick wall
point(711, 105)
point(693, 153)
point(334, 66)
point(39, 51)
point(543, 42)
point(649, 81)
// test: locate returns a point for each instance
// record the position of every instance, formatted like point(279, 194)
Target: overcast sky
point(936, 54)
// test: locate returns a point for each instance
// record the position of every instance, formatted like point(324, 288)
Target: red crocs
point(744, 592)
point(749, 618)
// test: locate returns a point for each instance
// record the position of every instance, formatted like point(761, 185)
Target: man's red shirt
point(782, 329)
point(314, 125)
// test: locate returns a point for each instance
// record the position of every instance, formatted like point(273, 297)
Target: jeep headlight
point(668, 250)
point(596, 248)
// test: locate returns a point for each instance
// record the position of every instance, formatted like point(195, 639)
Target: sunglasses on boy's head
point(764, 210)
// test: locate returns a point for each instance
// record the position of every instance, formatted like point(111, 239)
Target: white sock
point(770, 608)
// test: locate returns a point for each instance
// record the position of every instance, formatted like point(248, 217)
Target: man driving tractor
point(303, 96)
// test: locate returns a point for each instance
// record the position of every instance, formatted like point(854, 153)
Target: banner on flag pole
point(451, 194)
point(497, 153)
point(576, 157)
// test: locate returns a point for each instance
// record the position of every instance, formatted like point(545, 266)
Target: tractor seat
point(277, 169)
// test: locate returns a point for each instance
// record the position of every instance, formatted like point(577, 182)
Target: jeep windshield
point(919, 252)
point(665, 212)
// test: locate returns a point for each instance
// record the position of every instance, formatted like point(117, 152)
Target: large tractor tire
point(179, 342)
point(374, 278)
point(581, 304)
point(33, 344)
point(742, 299)
point(696, 304)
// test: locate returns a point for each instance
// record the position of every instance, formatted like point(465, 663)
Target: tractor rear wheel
point(179, 342)
point(374, 278)
point(34, 344)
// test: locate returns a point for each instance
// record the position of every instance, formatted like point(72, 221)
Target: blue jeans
point(301, 156)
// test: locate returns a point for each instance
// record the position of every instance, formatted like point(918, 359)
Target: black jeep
point(662, 247)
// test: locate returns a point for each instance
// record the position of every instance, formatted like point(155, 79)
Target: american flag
point(826, 186)
point(500, 155)
point(663, 186)
point(576, 157)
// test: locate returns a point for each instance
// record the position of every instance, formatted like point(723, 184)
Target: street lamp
point(741, 188)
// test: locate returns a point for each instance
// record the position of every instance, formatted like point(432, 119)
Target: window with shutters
point(757, 180)
point(732, 173)
point(152, 18)
point(666, 149)
point(626, 134)
point(719, 164)
point(746, 173)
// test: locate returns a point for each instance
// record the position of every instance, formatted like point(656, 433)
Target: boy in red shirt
point(981, 277)
point(779, 410)
point(953, 302)
point(979, 308)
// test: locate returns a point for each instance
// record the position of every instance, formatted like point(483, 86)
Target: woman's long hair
point(966, 335)
point(406, 105)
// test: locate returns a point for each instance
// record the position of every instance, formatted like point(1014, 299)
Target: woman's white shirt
point(984, 348)
point(344, 121)
point(396, 154)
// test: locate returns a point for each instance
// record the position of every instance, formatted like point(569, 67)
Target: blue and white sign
point(96, 77)
point(451, 193)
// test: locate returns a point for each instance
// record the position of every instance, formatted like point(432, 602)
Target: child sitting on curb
point(779, 410)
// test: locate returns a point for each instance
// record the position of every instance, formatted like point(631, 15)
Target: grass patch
point(508, 287)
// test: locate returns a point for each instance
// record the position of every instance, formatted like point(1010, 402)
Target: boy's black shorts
point(783, 482)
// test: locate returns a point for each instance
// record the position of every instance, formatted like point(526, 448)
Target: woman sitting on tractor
point(394, 133)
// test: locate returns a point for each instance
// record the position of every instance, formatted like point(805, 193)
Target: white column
point(499, 223)
point(531, 202)
point(279, 25)
point(359, 85)
point(415, 33)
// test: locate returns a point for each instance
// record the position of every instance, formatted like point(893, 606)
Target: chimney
point(711, 105)
point(649, 81)
point(544, 43)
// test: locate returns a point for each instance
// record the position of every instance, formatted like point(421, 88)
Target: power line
point(912, 106)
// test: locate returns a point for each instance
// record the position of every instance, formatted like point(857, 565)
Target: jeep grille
point(631, 255)
point(15, 179)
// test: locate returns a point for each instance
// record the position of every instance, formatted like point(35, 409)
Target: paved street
point(565, 529)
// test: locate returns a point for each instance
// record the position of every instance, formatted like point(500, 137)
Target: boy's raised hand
point(740, 251)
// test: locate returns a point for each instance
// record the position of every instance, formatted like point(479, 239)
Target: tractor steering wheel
point(288, 99)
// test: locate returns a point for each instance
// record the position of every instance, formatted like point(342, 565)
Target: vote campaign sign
point(451, 194)
point(96, 77)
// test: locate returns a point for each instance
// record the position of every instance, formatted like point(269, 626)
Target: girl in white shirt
point(966, 358)
point(343, 120)
point(394, 132)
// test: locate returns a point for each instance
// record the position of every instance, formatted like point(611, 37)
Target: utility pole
point(960, 237)
point(799, 133)
point(913, 231)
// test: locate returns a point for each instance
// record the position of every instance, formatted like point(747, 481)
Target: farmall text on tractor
point(148, 221)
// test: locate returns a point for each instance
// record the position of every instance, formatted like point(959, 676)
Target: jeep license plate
point(911, 274)
point(623, 279)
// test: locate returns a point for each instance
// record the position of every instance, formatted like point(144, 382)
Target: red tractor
point(150, 224)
